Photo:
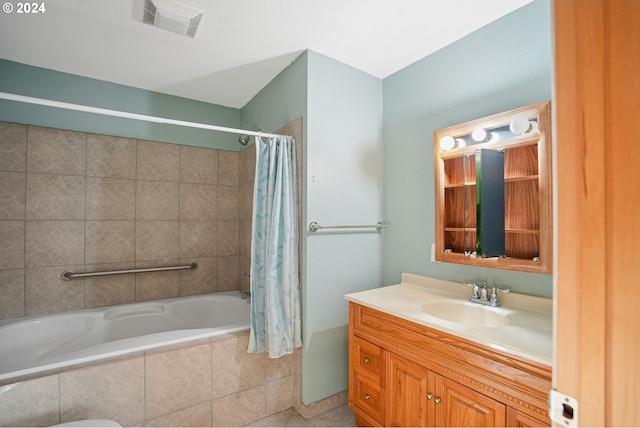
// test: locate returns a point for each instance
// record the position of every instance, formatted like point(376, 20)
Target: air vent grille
point(172, 15)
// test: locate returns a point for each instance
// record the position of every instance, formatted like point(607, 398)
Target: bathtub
point(35, 345)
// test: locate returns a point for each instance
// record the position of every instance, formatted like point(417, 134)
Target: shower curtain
point(275, 294)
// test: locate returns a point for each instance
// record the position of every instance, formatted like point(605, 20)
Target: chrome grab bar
point(314, 226)
point(69, 275)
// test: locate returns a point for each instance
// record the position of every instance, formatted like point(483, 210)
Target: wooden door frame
point(596, 290)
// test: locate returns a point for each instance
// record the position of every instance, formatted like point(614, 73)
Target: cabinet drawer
point(368, 358)
point(368, 396)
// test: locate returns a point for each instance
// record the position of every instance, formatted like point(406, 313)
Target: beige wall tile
point(45, 292)
point(12, 292)
point(109, 241)
point(111, 156)
point(244, 239)
point(157, 200)
point(241, 408)
point(79, 194)
point(198, 239)
point(196, 416)
point(228, 168)
point(177, 380)
point(198, 165)
point(157, 285)
point(12, 236)
point(246, 165)
point(228, 273)
point(278, 368)
point(198, 201)
point(202, 280)
point(30, 403)
point(54, 243)
point(279, 395)
point(13, 147)
point(112, 391)
point(56, 151)
point(228, 238)
point(110, 289)
point(228, 203)
point(245, 201)
point(12, 195)
point(158, 161)
point(110, 199)
point(157, 240)
point(55, 197)
point(234, 369)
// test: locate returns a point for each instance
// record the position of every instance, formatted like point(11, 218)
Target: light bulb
point(479, 134)
point(447, 143)
point(520, 125)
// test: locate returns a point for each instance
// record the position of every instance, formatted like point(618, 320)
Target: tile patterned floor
point(341, 416)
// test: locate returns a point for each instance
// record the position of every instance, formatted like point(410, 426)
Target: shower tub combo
point(42, 344)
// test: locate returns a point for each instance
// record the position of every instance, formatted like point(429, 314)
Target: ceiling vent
point(172, 15)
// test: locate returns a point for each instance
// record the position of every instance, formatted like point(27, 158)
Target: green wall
point(504, 65)
point(37, 82)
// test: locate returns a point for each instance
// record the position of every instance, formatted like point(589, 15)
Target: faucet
point(480, 293)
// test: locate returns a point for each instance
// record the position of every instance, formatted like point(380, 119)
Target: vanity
point(421, 354)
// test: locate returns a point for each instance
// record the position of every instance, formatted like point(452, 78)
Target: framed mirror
point(493, 191)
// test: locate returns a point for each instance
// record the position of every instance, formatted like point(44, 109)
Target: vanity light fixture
point(520, 125)
point(448, 143)
point(479, 134)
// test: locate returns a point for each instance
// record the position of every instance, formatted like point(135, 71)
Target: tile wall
point(79, 201)
point(208, 383)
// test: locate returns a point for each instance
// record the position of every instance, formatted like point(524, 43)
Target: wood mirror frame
point(528, 202)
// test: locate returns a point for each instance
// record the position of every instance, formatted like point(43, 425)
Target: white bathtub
point(33, 345)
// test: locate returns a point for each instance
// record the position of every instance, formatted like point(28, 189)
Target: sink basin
point(465, 313)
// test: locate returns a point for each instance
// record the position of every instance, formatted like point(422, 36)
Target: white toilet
point(90, 423)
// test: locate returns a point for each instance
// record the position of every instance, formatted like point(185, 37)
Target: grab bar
point(69, 275)
point(314, 226)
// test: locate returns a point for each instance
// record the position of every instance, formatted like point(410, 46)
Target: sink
point(465, 313)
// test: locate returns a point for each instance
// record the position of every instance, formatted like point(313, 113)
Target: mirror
point(493, 191)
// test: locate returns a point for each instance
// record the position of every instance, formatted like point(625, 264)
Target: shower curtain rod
point(134, 116)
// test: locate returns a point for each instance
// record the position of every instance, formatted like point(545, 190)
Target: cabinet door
point(408, 388)
point(459, 406)
point(518, 419)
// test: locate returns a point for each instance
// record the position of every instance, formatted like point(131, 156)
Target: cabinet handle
point(437, 400)
point(366, 360)
point(429, 396)
point(367, 396)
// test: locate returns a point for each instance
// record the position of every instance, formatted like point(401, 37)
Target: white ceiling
point(240, 45)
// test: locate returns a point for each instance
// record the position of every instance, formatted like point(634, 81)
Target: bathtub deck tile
point(31, 403)
point(196, 416)
point(234, 369)
point(112, 391)
point(241, 408)
point(177, 380)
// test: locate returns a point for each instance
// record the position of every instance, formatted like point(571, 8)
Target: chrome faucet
point(480, 293)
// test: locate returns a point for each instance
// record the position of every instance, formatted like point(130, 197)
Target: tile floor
point(341, 416)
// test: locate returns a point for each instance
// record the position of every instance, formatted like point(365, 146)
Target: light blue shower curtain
point(275, 294)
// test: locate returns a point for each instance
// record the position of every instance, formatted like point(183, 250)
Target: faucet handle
point(475, 284)
point(476, 288)
point(494, 294)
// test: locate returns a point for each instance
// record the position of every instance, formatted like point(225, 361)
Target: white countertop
point(528, 333)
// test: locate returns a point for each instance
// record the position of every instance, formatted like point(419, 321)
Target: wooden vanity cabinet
point(405, 374)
